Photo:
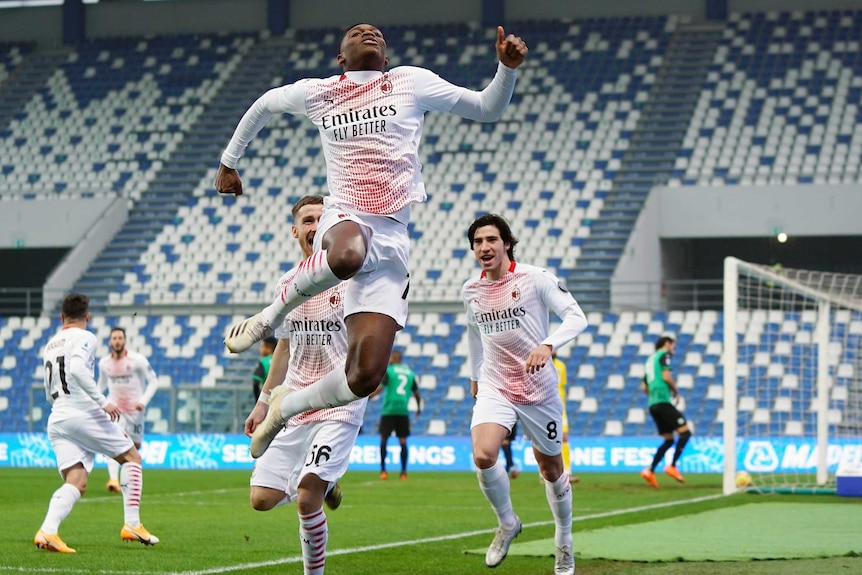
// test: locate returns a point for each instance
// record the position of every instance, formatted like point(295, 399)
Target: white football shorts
point(542, 424)
point(78, 439)
point(321, 448)
point(133, 425)
point(382, 284)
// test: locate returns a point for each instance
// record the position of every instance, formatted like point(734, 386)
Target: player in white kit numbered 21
point(81, 424)
point(513, 378)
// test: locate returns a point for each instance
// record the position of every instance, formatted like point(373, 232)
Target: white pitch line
point(151, 496)
point(363, 549)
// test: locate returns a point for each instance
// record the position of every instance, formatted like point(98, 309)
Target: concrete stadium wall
point(49, 223)
point(727, 212)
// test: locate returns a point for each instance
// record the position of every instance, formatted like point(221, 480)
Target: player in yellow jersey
point(563, 378)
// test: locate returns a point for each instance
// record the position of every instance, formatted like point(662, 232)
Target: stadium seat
point(455, 393)
point(613, 428)
point(436, 427)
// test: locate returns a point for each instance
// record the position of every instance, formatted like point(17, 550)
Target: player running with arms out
point(370, 122)
point(306, 459)
point(659, 385)
point(513, 378)
point(81, 424)
point(131, 383)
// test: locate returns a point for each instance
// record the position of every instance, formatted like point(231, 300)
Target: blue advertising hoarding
point(427, 453)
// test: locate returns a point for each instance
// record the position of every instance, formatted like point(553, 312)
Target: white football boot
point(500, 545)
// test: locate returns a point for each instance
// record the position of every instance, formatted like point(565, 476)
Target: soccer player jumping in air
point(513, 378)
point(370, 122)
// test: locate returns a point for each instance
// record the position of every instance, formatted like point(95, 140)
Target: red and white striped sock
point(313, 276)
point(313, 535)
point(132, 483)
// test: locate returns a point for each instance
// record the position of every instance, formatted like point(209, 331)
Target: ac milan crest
point(516, 294)
point(335, 300)
point(386, 86)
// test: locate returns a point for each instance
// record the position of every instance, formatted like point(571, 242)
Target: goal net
point(792, 411)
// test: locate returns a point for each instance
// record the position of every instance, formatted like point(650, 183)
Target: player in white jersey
point(370, 122)
point(513, 378)
point(307, 457)
point(81, 424)
point(131, 383)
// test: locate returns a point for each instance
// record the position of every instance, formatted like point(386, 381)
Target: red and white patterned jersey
point(507, 319)
point(130, 380)
point(370, 125)
point(318, 344)
point(70, 386)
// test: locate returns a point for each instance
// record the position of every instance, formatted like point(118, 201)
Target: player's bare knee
point(364, 377)
point(484, 460)
point(131, 456)
point(347, 260)
point(260, 501)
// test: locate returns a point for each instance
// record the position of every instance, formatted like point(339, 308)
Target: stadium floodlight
point(792, 376)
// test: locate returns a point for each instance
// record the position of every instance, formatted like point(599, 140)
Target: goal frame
point(824, 302)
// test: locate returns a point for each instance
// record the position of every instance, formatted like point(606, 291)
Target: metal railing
point(181, 409)
point(647, 295)
point(667, 295)
point(20, 301)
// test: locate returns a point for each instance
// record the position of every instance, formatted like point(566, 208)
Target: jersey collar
point(511, 269)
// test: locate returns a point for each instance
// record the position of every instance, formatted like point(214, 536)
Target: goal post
point(792, 376)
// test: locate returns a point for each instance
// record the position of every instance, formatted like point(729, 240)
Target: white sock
point(329, 391)
point(313, 277)
point(132, 483)
point(494, 483)
point(113, 470)
point(313, 534)
point(61, 505)
point(559, 495)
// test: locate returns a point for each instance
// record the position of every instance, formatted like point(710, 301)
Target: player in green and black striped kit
point(398, 385)
point(660, 386)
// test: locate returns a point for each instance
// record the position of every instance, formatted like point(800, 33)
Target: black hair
point(118, 328)
point(76, 306)
point(270, 341)
point(660, 342)
point(501, 224)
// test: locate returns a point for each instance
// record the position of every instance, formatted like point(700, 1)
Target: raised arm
point(488, 105)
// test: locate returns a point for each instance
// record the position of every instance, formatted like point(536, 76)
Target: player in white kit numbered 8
point(513, 378)
point(306, 459)
point(81, 424)
point(370, 123)
point(131, 383)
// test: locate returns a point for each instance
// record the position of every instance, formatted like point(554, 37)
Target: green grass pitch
point(421, 526)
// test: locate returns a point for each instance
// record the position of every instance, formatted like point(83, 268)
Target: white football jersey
point(370, 125)
point(318, 344)
point(130, 380)
point(70, 386)
point(507, 319)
